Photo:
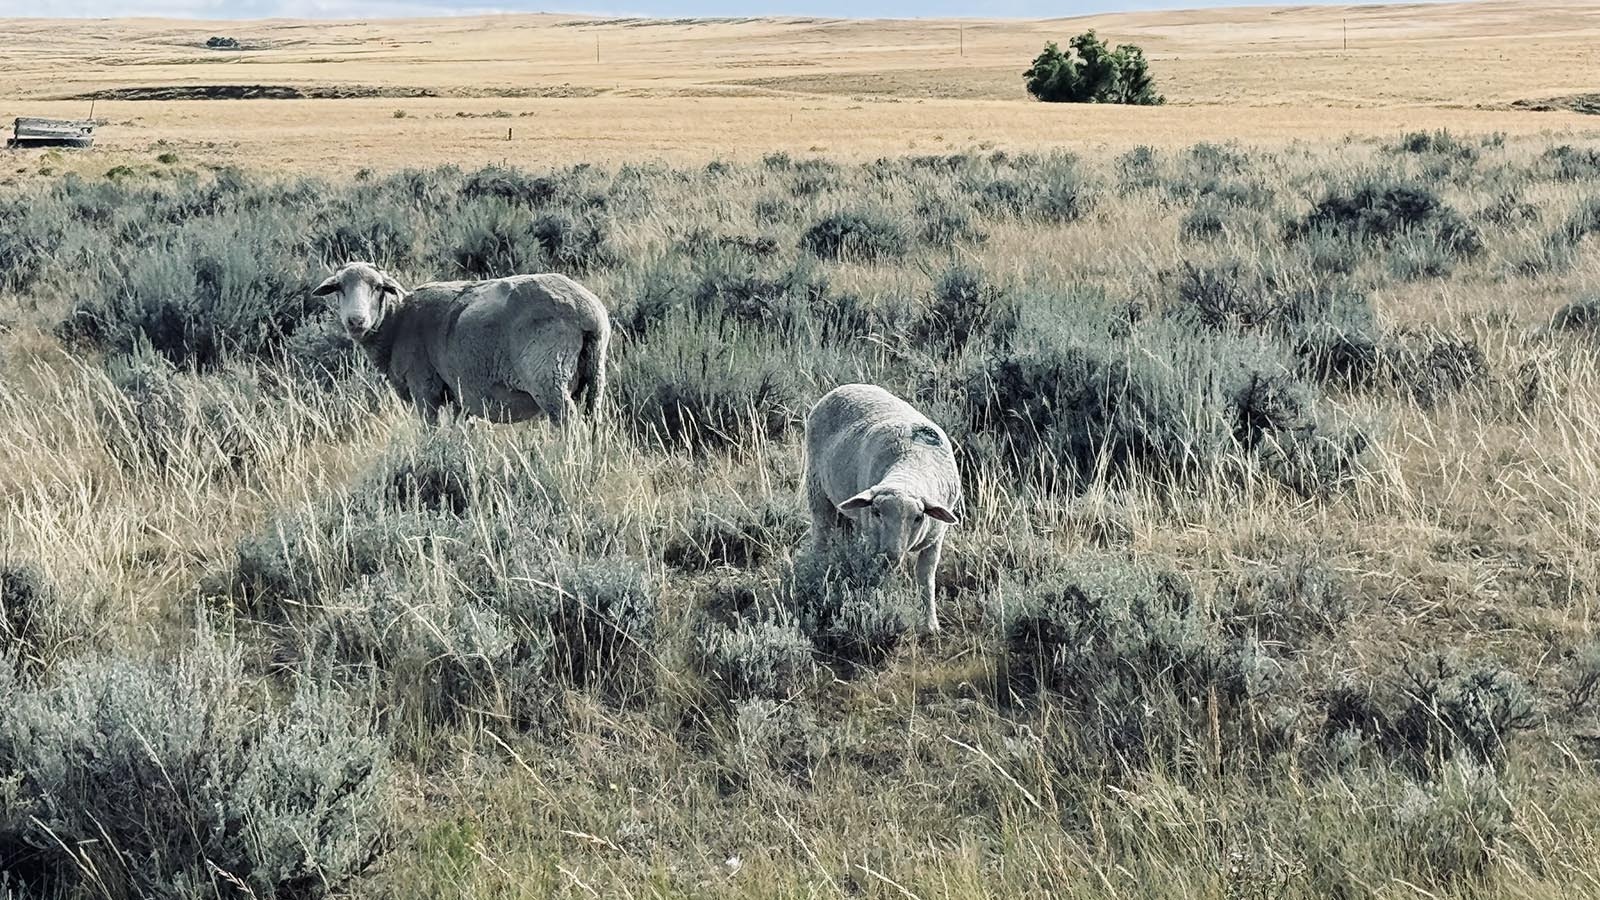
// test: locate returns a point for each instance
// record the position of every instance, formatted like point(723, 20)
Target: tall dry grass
point(1248, 699)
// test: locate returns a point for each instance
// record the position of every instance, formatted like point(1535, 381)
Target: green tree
point(1054, 76)
point(1134, 83)
point(1091, 72)
point(1098, 69)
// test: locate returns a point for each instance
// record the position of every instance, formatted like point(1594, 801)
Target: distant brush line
point(320, 92)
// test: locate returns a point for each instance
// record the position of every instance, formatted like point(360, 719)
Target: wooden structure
point(35, 132)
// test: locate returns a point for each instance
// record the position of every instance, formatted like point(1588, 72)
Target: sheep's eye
point(877, 513)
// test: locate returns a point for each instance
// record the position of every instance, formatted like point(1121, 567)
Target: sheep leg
point(430, 398)
point(546, 374)
point(557, 404)
point(826, 521)
point(927, 564)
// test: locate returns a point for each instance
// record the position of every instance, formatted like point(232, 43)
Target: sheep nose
point(357, 326)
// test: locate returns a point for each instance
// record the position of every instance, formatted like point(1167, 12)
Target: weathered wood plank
point(32, 131)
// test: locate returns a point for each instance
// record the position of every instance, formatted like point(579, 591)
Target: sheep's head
point(365, 292)
point(893, 520)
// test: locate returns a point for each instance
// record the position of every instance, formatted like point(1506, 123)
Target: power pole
point(962, 39)
point(1347, 34)
point(597, 47)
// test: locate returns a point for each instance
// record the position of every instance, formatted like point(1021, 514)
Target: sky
point(357, 9)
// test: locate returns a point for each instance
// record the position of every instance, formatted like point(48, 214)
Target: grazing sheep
point(505, 349)
point(873, 463)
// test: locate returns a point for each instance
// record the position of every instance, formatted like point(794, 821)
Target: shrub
point(491, 239)
point(1138, 169)
point(382, 232)
point(219, 287)
point(1428, 366)
point(944, 224)
point(1569, 163)
point(723, 533)
point(1420, 256)
point(443, 470)
point(288, 571)
point(165, 780)
point(1454, 710)
point(1287, 601)
point(1584, 221)
point(1579, 315)
point(1582, 678)
point(774, 736)
point(33, 237)
point(1453, 826)
point(1436, 712)
point(706, 390)
point(1165, 405)
point(511, 185)
point(1133, 657)
point(601, 614)
point(791, 302)
point(703, 241)
point(321, 352)
point(160, 417)
point(962, 308)
point(30, 619)
point(1372, 210)
point(762, 659)
point(433, 651)
point(1056, 193)
point(857, 235)
point(1506, 209)
point(1091, 72)
point(855, 609)
point(1207, 219)
point(1331, 330)
point(1439, 143)
point(572, 245)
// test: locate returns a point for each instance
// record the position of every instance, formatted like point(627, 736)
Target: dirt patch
point(960, 84)
point(322, 92)
point(254, 92)
point(1588, 104)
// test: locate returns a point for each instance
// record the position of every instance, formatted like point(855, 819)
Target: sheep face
point(894, 521)
point(364, 292)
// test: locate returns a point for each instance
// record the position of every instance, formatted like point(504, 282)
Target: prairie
point(688, 90)
point(1275, 576)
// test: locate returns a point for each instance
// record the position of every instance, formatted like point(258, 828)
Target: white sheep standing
point(873, 463)
point(506, 349)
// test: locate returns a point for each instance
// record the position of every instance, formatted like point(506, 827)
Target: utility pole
point(597, 47)
point(962, 39)
point(1347, 34)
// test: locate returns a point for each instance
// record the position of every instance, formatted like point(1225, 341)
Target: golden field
point(687, 90)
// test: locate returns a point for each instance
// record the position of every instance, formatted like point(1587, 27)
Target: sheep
point(506, 349)
point(873, 463)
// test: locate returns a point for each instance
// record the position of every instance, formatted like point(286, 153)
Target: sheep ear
point(859, 501)
point(392, 286)
point(327, 287)
point(940, 513)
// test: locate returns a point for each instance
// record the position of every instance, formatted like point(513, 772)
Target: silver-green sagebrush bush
point(144, 778)
point(855, 610)
point(1134, 654)
point(619, 645)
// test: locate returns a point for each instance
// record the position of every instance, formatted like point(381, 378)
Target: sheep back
point(860, 435)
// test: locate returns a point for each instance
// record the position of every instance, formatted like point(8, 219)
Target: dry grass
point(1475, 531)
point(690, 90)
